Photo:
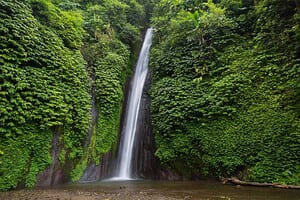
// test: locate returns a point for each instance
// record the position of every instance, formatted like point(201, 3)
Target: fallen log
point(236, 181)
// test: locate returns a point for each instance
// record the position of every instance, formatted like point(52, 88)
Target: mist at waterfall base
point(123, 166)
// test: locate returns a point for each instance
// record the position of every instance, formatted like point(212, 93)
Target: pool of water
point(210, 190)
point(152, 190)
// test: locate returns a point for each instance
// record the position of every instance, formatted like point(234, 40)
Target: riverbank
point(152, 190)
point(54, 194)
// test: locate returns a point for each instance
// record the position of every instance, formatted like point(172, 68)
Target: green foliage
point(68, 25)
point(261, 137)
point(109, 84)
point(115, 19)
point(24, 157)
point(135, 12)
point(55, 57)
point(229, 99)
point(77, 172)
point(44, 87)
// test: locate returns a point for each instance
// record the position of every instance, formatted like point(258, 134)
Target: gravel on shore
point(54, 194)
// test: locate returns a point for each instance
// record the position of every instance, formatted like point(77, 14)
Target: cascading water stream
point(124, 162)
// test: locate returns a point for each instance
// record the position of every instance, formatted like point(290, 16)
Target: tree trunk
point(236, 181)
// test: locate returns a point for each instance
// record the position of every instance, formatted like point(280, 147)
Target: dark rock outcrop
point(55, 173)
point(145, 164)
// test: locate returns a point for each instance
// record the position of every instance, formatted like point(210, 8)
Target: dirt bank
point(85, 195)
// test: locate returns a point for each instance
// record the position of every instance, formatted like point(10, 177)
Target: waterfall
point(128, 136)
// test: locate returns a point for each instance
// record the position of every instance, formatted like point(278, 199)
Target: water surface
point(208, 190)
point(152, 190)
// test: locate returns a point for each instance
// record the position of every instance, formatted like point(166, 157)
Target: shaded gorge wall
point(145, 164)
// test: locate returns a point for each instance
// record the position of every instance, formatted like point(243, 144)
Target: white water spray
point(132, 111)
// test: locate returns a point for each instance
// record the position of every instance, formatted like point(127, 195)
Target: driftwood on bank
point(236, 181)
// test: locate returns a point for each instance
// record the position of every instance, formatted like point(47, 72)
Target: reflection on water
point(208, 190)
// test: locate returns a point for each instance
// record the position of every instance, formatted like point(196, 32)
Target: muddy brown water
point(156, 190)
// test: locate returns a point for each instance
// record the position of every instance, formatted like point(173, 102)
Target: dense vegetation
point(226, 83)
point(56, 58)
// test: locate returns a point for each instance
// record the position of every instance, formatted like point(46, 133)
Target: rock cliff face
point(58, 173)
point(54, 174)
point(145, 164)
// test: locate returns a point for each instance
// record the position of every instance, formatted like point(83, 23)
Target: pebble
point(187, 197)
